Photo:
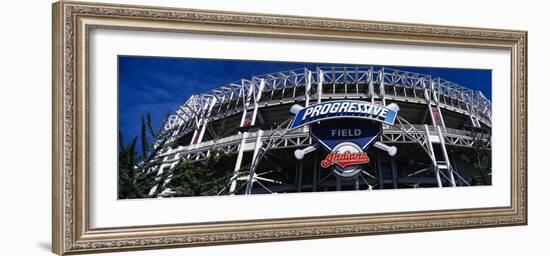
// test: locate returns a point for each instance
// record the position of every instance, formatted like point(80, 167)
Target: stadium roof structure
point(302, 85)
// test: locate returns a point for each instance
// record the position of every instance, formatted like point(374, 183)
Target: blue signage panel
point(333, 132)
point(343, 109)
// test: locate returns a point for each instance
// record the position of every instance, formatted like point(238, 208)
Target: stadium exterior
point(438, 126)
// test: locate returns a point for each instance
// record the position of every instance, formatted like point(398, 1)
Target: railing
point(230, 140)
point(300, 133)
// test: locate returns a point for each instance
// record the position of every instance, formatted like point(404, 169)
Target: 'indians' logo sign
point(344, 159)
point(346, 128)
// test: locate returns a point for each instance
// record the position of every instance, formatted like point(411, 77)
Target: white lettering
point(376, 110)
point(325, 109)
point(383, 114)
point(307, 113)
point(316, 111)
point(369, 110)
point(344, 107)
point(352, 107)
point(334, 107)
point(346, 132)
point(364, 109)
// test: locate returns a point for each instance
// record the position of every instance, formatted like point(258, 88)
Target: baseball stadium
point(441, 135)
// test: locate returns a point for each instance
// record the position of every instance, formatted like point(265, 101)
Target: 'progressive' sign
point(343, 109)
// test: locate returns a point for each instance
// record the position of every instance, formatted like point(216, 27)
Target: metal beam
point(432, 156)
point(253, 165)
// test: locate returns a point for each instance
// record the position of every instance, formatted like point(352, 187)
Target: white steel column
point(435, 96)
point(308, 75)
point(246, 99)
point(437, 105)
point(257, 98)
point(446, 157)
point(251, 174)
point(429, 102)
point(195, 134)
point(205, 120)
point(198, 118)
point(198, 121)
point(382, 88)
point(258, 144)
point(382, 93)
point(238, 164)
point(320, 80)
point(371, 86)
point(428, 91)
point(432, 156)
point(246, 102)
point(473, 120)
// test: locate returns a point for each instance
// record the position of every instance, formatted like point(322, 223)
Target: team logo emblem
point(346, 160)
point(345, 129)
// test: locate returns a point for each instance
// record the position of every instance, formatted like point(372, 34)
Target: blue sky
point(159, 85)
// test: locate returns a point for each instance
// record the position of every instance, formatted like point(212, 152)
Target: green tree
point(188, 178)
point(482, 159)
point(206, 177)
point(201, 178)
point(134, 176)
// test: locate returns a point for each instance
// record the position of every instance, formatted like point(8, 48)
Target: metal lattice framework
point(305, 86)
point(299, 138)
point(290, 86)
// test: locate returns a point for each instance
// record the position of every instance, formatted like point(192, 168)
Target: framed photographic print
point(178, 127)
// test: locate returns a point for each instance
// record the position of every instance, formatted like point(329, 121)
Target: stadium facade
point(438, 126)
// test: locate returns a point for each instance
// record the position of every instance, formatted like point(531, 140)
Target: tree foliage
point(202, 178)
point(134, 177)
point(188, 178)
point(206, 177)
point(482, 156)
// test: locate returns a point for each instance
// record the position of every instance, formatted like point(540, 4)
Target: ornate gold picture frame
point(72, 24)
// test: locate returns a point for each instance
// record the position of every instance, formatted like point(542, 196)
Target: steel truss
point(325, 83)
